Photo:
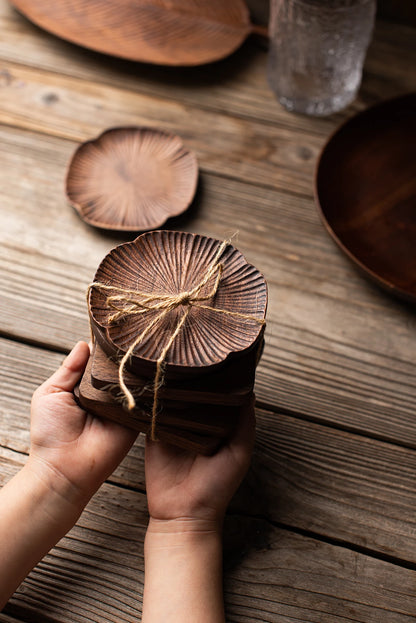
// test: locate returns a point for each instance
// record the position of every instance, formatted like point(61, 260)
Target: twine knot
point(131, 302)
point(184, 299)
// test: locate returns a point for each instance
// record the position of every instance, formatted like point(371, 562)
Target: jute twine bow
point(133, 302)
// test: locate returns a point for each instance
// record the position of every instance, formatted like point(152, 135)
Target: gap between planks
point(276, 524)
point(51, 53)
point(305, 475)
point(292, 568)
point(268, 406)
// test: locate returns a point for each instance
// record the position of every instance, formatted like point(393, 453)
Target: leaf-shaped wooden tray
point(170, 262)
point(179, 32)
point(131, 179)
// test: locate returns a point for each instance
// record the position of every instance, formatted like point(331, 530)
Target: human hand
point(183, 486)
point(187, 497)
point(71, 454)
point(73, 450)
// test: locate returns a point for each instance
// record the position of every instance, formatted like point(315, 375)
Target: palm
point(84, 449)
point(180, 483)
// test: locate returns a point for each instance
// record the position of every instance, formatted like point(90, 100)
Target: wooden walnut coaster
point(231, 385)
point(179, 431)
point(131, 179)
point(179, 322)
point(161, 263)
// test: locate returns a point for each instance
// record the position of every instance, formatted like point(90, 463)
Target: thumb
point(70, 372)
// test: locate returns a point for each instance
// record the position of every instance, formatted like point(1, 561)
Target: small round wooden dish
point(131, 179)
point(170, 262)
point(366, 192)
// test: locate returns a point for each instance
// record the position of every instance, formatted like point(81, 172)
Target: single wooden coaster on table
point(131, 179)
point(181, 307)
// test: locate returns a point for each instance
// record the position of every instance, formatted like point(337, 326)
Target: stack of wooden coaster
point(178, 321)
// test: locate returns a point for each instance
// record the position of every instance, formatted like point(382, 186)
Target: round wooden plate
point(366, 192)
point(131, 179)
point(170, 262)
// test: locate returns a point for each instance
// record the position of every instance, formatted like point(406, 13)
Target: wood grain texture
point(174, 425)
point(334, 455)
point(338, 485)
point(183, 32)
point(171, 263)
point(388, 72)
point(229, 386)
point(131, 179)
point(271, 574)
point(238, 148)
point(369, 209)
point(318, 359)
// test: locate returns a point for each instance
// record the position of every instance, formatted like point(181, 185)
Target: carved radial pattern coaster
point(170, 263)
point(131, 179)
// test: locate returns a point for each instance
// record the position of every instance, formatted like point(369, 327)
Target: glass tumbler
point(317, 50)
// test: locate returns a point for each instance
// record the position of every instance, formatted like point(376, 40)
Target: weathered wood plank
point(235, 147)
point(324, 356)
point(305, 475)
point(236, 85)
point(96, 572)
point(333, 483)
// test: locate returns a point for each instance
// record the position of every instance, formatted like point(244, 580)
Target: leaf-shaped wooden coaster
point(171, 264)
point(131, 179)
point(178, 32)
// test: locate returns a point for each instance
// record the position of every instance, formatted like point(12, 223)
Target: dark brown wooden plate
point(170, 262)
point(131, 179)
point(178, 32)
point(366, 192)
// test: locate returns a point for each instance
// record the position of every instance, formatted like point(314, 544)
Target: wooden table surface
point(324, 527)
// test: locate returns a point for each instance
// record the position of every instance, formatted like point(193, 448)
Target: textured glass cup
point(317, 52)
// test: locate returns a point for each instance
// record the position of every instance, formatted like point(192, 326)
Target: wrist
point(185, 525)
point(182, 533)
point(183, 571)
point(33, 518)
point(60, 499)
